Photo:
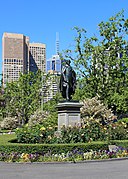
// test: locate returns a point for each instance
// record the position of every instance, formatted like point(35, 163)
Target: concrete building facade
point(37, 57)
point(20, 56)
point(15, 56)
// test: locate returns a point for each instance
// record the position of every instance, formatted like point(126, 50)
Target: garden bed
point(16, 152)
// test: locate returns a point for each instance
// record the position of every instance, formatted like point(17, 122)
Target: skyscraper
point(54, 63)
point(15, 56)
point(37, 57)
point(20, 56)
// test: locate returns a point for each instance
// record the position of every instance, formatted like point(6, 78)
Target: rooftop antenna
point(57, 43)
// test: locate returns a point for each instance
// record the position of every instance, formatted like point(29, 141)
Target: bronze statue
point(67, 81)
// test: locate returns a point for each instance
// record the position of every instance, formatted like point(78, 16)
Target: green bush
point(118, 131)
point(123, 143)
point(91, 130)
point(58, 148)
point(37, 118)
point(44, 118)
point(51, 120)
point(52, 148)
point(35, 134)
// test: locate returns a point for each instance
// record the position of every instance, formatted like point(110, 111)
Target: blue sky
point(41, 19)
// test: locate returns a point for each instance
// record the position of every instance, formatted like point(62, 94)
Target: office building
point(54, 63)
point(37, 57)
point(20, 56)
point(15, 56)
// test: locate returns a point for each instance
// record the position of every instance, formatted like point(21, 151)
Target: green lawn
point(5, 138)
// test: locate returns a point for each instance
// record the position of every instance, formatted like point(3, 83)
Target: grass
point(5, 138)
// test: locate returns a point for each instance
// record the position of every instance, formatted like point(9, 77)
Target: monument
point(68, 110)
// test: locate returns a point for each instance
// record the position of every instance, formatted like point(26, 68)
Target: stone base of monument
point(68, 113)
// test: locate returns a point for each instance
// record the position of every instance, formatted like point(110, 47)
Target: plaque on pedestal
point(68, 113)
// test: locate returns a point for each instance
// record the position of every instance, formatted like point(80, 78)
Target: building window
point(53, 65)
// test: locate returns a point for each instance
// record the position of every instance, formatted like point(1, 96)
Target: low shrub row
point(52, 148)
point(8, 144)
point(91, 130)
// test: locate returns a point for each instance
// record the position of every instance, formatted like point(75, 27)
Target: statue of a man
point(67, 81)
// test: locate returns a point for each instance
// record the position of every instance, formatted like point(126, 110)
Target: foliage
point(35, 134)
point(93, 108)
point(48, 116)
point(9, 123)
point(23, 96)
point(37, 118)
point(43, 118)
point(12, 146)
point(90, 130)
point(8, 144)
point(50, 106)
point(15, 152)
point(118, 131)
point(122, 143)
point(102, 62)
point(51, 120)
point(2, 104)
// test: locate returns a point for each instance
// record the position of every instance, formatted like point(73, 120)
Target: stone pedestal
point(68, 113)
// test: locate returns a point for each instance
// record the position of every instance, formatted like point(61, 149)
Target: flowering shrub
point(9, 123)
point(35, 134)
point(118, 131)
point(93, 108)
point(37, 117)
point(43, 117)
point(91, 130)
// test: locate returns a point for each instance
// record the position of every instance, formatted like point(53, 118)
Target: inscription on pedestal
point(74, 119)
point(68, 114)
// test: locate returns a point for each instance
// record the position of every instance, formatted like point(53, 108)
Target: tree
point(102, 63)
point(23, 96)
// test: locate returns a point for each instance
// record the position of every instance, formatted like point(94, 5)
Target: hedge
point(52, 148)
point(10, 146)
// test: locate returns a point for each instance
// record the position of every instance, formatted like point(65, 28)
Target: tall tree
point(102, 62)
point(23, 96)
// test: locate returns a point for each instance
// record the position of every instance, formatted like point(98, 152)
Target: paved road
point(93, 170)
